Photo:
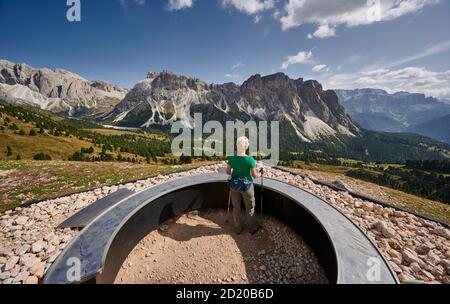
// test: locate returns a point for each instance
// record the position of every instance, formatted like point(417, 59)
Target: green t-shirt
point(242, 166)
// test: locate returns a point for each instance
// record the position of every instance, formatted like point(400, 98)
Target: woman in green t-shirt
point(243, 169)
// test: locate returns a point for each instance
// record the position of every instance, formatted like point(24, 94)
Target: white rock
point(367, 207)
point(441, 231)
point(425, 248)
point(37, 246)
point(11, 262)
point(395, 254)
point(29, 260)
point(31, 280)
point(21, 220)
point(432, 259)
point(21, 277)
point(342, 186)
point(53, 257)
point(38, 269)
point(5, 275)
point(409, 256)
point(396, 268)
point(427, 275)
point(415, 267)
point(23, 249)
point(382, 227)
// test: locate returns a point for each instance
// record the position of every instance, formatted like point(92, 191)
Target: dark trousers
point(249, 200)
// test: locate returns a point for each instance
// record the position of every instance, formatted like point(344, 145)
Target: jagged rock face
point(57, 90)
point(165, 97)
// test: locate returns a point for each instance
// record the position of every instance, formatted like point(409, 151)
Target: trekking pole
point(262, 191)
point(228, 209)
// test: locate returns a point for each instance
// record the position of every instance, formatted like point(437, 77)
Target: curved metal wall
point(191, 198)
point(342, 248)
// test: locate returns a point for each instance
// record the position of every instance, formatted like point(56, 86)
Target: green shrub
point(42, 156)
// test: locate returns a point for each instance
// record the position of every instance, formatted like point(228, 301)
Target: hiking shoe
point(253, 231)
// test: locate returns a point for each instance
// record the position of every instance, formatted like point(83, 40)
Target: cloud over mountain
point(329, 14)
point(412, 79)
point(301, 57)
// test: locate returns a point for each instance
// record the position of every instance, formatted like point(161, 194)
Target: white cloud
point(124, 3)
point(232, 76)
point(329, 14)
point(320, 68)
point(302, 57)
point(238, 65)
point(410, 79)
point(324, 31)
point(175, 5)
point(250, 7)
point(429, 51)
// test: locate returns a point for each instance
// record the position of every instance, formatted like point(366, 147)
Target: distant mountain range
point(311, 118)
point(58, 91)
point(438, 128)
point(378, 110)
point(163, 98)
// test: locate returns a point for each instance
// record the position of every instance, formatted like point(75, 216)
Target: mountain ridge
point(58, 91)
point(165, 97)
point(311, 118)
point(438, 128)
point(377, 110)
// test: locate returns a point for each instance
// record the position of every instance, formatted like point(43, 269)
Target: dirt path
point(201, 248)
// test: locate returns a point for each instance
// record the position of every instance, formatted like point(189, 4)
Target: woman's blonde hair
point(242, 145)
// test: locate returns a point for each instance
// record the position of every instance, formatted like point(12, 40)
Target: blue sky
point(398, 45)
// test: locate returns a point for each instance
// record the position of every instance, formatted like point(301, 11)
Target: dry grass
point(112, 132)
point(59, 147)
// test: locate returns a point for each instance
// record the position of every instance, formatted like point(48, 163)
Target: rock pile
point(30, 241)
point(417, 249)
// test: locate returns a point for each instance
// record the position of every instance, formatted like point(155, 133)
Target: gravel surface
point(202, 248)
point(417, 249)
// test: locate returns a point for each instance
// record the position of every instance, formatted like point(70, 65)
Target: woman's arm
point(229, 170)
point(257, 172)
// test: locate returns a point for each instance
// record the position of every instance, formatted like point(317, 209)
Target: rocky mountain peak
point(171, 81)
point(58, 90)
point(165, 97)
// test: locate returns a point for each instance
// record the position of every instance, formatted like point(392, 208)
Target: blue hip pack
point(239, 184)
